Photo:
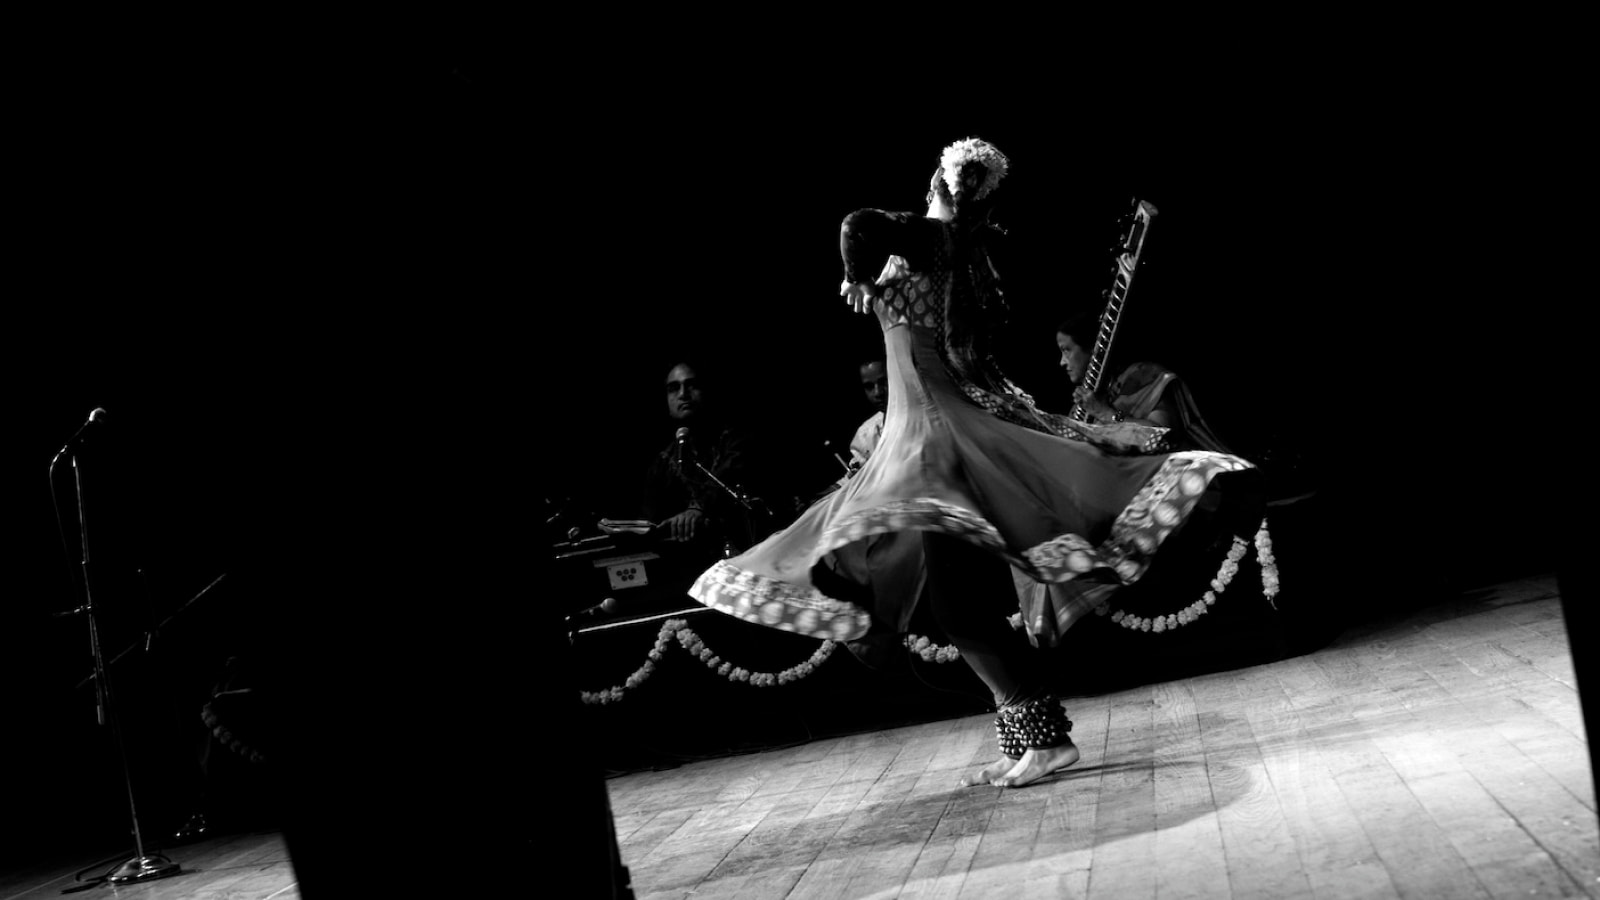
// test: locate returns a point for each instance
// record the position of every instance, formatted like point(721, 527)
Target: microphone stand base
point(144, 868)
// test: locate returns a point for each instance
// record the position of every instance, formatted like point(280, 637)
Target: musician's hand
point(859, 295)
point(1093, 407)
point(682, 527)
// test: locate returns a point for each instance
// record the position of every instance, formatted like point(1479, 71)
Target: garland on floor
point(679, 629)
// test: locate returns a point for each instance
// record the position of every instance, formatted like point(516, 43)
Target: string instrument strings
point(1128, 253)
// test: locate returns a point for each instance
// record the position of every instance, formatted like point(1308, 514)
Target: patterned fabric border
point(1155, 511)
point(778, 604)
point(917, 514)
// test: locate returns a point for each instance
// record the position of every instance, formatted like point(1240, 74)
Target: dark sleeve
point(672, 488)
point(869, 237)
point(659, 489)
point(735, 464)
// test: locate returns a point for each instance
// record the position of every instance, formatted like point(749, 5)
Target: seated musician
point(1143, 393)
point(875, 387)
point(702, 488)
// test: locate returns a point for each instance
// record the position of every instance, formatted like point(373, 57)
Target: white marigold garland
point(640, 675)
point(931, 652)
point(679, 629)
point(976, 150)
point(226, 737)
point(1269, 565)
point(1229, 568)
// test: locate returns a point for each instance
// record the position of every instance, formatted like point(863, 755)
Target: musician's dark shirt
point(728, 452)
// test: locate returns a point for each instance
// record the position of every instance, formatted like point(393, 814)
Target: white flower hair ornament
point(958, 155)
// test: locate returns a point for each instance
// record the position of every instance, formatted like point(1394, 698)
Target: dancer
point(969, 481)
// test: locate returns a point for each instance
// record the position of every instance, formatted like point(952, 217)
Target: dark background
point(354, 323)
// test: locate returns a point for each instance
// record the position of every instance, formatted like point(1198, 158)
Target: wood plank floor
point(1442, 755)
point(252, 866)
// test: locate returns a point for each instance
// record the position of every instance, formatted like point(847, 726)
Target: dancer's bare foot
point(989, 773)
point(1036, 764)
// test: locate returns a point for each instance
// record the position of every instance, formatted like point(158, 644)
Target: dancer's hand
point(894, 269)
point(859, 295)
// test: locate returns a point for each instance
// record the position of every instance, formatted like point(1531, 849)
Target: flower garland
point(1229, 568)
point(696, 647)
point(973, 150)
point(927, 649)
point(1269, 565)
point(931, 652)
point(679, 629)
point(641, 674)
point(226, 737)
point(1270, 585)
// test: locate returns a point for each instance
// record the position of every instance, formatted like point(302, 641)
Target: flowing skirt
point(1070, 518)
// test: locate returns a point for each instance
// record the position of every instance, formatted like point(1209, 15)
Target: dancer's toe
point(1036, 764)
point(989, 773)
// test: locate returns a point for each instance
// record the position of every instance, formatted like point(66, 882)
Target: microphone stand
point(141, 866)
point(746, 502)
point(150, 636)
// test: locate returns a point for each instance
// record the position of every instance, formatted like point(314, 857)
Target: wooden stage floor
point(1439, 755)
point(250, 866)
point(1442, 755)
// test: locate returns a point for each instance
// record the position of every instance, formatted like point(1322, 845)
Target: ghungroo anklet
point(1036, 724)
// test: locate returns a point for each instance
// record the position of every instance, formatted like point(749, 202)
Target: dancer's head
point(963, 186)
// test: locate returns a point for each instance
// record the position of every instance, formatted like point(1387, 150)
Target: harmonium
point(610, 580)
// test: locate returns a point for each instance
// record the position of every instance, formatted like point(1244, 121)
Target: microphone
point(683, 442)
point(598, 611)
point(96, 416)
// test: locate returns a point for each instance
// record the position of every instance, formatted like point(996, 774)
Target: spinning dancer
point(969, 481)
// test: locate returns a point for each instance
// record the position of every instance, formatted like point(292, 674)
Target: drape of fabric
point(866, 438)
point(963, 453)
point(1143, 386)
